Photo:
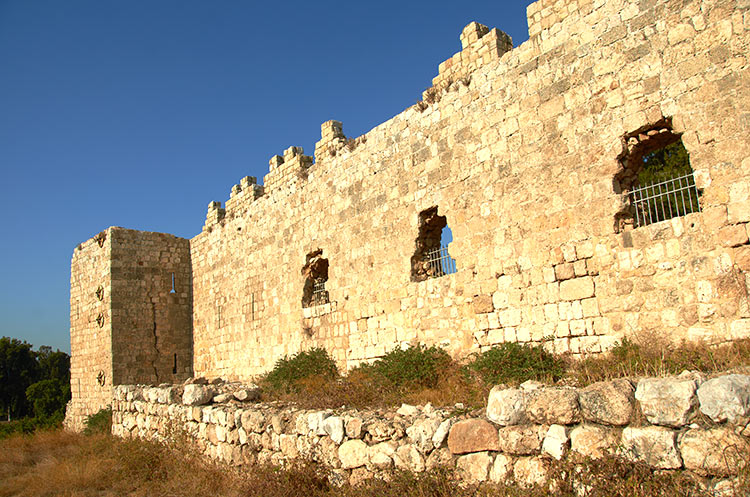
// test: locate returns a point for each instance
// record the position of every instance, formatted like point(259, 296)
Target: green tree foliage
point(664, 163)
point(33, 382)
point(658, 168)
point(18, 370)
point(47, 398)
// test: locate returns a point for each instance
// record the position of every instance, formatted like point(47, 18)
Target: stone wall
point(90, 330)
point(128, 323)
point(524, 152)
point(674, 423)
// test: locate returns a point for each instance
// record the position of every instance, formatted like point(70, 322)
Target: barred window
point(431, 258)
point(315, 272)
point(656, 180)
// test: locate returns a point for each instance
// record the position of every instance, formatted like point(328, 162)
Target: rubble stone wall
point(673, 423)
point(520, 150)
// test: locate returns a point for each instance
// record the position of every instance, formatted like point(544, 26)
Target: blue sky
point(139, 113)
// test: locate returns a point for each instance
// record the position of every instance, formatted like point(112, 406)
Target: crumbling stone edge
point(674, 423)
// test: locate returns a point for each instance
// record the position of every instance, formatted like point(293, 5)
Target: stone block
point(726, 398)
point(732, 235)
point(506, 406)
point(714, 452)
point(521, 440)
point(472, 435)
point(577, 288)
point(353, 454)
point(652, 445)
point(593, 441)
point(667, 401)
point(474, 467)
point(553, 406)
point(607, 402)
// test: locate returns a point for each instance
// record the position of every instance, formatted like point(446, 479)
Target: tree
point(48, 398)
point(18, 370)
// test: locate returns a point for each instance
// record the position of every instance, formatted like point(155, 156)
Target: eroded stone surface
point(607, 402)
point(472, 435)
point(725, 398)
point(667, 401)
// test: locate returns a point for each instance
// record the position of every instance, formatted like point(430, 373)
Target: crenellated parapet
point(480, 45)
point(287, 169)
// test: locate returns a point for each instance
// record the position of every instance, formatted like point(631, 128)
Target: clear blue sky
point(138, 113)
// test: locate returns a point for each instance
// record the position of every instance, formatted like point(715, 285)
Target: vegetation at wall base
point(288, 373)
point(99, 422)
point(514, 363)
point(52, 463)
point(421, 374)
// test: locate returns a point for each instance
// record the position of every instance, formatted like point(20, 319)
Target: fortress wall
point(522, 163)
point(90, 330)
point(152, 321)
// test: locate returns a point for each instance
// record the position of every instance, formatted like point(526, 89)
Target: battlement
point(480, 45)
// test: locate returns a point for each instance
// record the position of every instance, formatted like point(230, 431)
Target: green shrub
point(411, 367)
point(516, 363)
point(101, 422)
point(289, 371)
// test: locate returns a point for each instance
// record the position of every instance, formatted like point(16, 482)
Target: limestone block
point(725, 398)
point(407, 410)
point(521, 440)
point(353, 454)
point(421, 433)
point(607, 402)
point(472, 435)
point(502, 468)
point(380, 456)
point(554, 406)
point(556, 441)
point(482, 304)
point(334, 427)
point(530, 471)
point(593, 441)
point(652, 445)
point(315, 422)
point(474, 467)
point(715, 452)
point(407, 457)
point(249, 393)
point(577, 288)
point(506, 406)
point(441, 433)
point(288, 444)
point(732, 235)
point(253, 421)
point(196, 395)
point(667, 401)
point(354, 427)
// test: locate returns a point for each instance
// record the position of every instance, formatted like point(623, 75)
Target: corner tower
point(130, 316)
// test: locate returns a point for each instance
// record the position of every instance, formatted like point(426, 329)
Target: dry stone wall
point(677, 423)
point(519, 150)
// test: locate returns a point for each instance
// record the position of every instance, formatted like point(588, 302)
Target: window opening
point(252, 306)
point(174, 367)
point(431, 258)
point(315, 272)
point(172, 291)
point(656, 180)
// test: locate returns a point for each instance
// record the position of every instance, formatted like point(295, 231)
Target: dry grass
point(655, 355)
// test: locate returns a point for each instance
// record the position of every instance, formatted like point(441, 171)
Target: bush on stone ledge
point(288, 373)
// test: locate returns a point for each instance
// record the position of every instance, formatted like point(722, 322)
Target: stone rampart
point(530, 155)
point(674, 423)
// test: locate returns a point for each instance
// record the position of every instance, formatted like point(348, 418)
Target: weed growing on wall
point(288, 372)
point(100, 422)
point(415, 366)
point(516, 363)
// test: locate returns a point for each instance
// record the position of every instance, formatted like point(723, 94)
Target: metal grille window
point(319, 294)
point(664, 200)
point(440, 262)
point(655, 178)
